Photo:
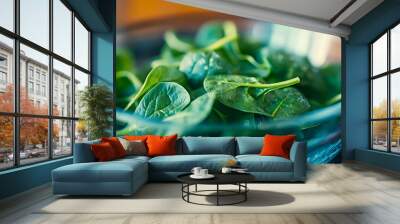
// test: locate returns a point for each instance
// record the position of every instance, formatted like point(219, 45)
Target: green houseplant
point(96, 102)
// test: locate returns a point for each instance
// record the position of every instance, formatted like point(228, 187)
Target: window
point(37, 89)
point(30, 87)
point(48, 78)
point(6, 73)
point(7, 14)
point(30, 72)
point(385, 92)
point(44, 91)
point(62, 29)
point(81, 45)
point(35, 21)
point(3, 61)
point(3, 78)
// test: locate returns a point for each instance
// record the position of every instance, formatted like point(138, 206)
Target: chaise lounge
point(125, 176)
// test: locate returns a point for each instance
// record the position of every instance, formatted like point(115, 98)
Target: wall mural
point(199, 73)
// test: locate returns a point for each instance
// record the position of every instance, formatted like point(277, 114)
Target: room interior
point(212, 111)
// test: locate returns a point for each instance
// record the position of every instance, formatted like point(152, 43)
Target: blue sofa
point(125, 176)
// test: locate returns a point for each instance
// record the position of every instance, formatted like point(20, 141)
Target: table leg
point(217, 194)
point(245, 193)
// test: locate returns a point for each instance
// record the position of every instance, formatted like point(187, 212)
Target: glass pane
point(379, 55)
point(7, 14)
point(62, 89)
point(81, 131)
point(6, 142)
point(379, 97)
point(33, 139)
point(34, 72)
point(395, 135)
point(379, 135)
point(81, 45)
point(395, 47)
point(62, 29)
point(62, 138)
point(395, 94)
point(81, 81)
point(6, 74)
point(35, 21)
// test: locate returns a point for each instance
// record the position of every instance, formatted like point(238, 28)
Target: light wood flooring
point(377, 188)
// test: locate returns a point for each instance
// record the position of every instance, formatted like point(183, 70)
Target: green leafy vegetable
point(248, 94)
point(156, 75)
point(127, 84)
point(196, 112)
point(175, 43)
point(209, 33)
point(124, 60)
point(163, 100)
point(198, 65)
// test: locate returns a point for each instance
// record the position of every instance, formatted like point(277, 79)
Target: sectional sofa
point(125, 176)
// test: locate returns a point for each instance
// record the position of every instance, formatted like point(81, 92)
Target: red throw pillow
point(161, 145)
point(116, 145)
point(103, 152)
point(277, 145)
point(135, 138)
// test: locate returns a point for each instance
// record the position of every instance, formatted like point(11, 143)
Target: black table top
point(220, 178)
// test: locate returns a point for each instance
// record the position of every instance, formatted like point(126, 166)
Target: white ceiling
point(319, 9)
point(315, 15)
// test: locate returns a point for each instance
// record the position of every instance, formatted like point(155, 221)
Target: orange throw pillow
point(116, 145)
point(277, 145)
point(161, 145)
point(103, 152)
point(135, 138)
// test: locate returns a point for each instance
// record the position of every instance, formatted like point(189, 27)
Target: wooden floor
point(379, 189)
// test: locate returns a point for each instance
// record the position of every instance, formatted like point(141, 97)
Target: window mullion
point(16, 70)
point(389, 104)
point(50, 81)
point(73, 82)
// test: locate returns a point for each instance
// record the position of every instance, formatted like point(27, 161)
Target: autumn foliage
point(33, 131)
point(380, 128)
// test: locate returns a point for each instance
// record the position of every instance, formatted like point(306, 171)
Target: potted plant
point(96, 104)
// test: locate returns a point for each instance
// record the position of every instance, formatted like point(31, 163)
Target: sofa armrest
point(298, 155)
point(83, 152)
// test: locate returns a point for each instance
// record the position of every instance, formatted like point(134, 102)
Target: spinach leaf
point(248, 94)
point(175, 43)
point(196, 112)
point(127, 84)
point(156, 75)
point(250, 67)
point(124, 60)
point(163, 100)
point(281, 61)
point(198, 65)
point(169, 57)
point(209, 33)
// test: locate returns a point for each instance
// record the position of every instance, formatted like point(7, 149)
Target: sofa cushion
point(277, 145)
point(208, 145)
point(83, 152)
point(112, 171)
point(116, 145)
point(257, 163)
point(103, 152)
point(185, 163)
point(161, 145)
point(249, 145)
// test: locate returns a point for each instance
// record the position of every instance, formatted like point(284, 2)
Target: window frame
point(388, 74)
point(16, 115)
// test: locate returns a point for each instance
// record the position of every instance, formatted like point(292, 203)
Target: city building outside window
point(385, 92)
point(56, 126)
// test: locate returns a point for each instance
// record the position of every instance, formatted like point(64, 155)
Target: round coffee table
point(238, 179)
